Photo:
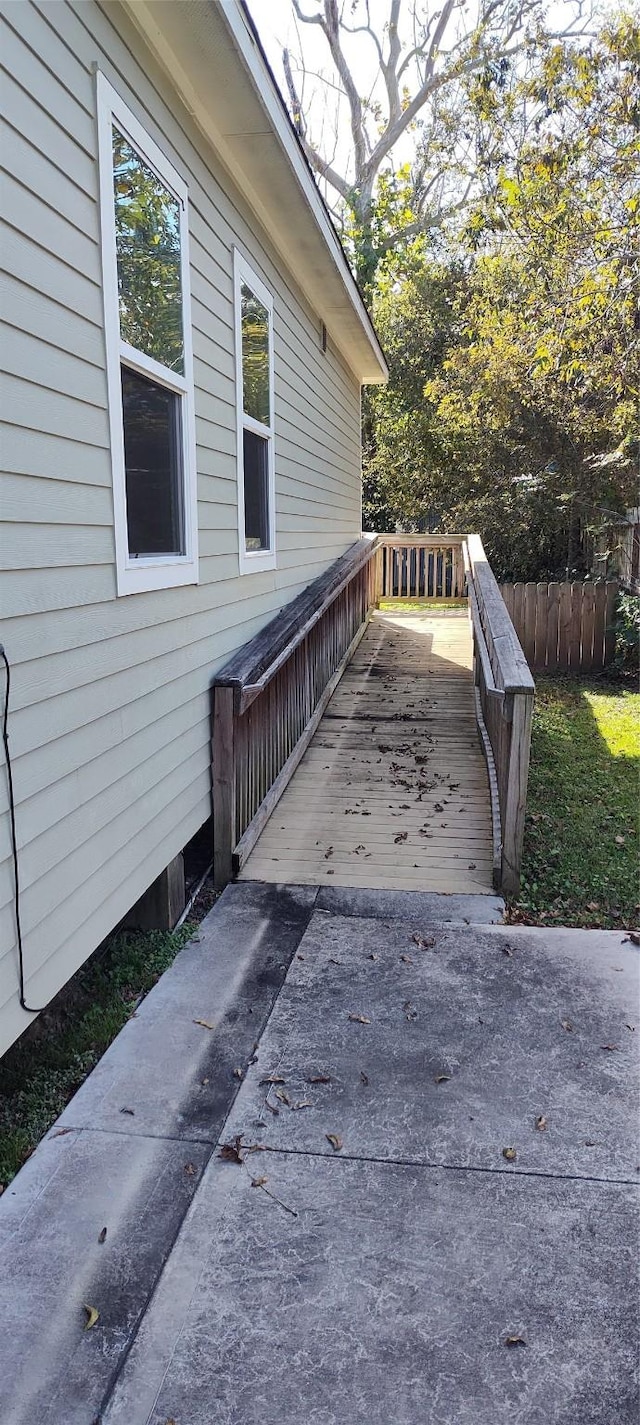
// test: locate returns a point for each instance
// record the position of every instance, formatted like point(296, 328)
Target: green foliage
point(512, 405)
point(628, 632)
point(42, 1071)
point(581, 834)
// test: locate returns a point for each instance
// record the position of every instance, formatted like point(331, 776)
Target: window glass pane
point(255, 357)
point(153, 466)
point(148, 252)
point(256, 491)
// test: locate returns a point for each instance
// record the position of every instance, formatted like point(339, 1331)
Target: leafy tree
point(529, 416)
point(423, 58)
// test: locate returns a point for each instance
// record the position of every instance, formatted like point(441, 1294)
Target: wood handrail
point(251, 669)
point(511, 671)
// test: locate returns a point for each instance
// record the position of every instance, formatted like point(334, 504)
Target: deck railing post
point(224, 785)
point(515, 804)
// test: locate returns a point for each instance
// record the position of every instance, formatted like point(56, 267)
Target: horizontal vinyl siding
point(110, 720)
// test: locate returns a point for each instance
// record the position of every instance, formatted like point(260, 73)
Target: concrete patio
point(375, 1256)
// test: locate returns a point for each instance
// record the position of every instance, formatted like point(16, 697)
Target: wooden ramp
point(393, 790)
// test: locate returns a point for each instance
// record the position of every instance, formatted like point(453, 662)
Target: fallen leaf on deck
point(319, 1079)
point(204, 1082)
point(402, 836)
point(442, 1078)
point(271, 1107)
point(331, 873)
point(515, 1341)
point(364, 1077)
point(424, 942)
point(130, 1111)
point(92, 1317)
point(232, 1152)
point(541, 1122)
point(506, 950)
point(204, 1023)
point(60, 1132)
point(633, 936)
point(332, 961)
point(472, 866)
point(610, 1047)
point(103, 1235)
point(371, 956)
point(359, 1019)
point(190, 1169)
point(510, 1154)
point(409, 1011)
point(335, 1141)
point(283, 1096)
point(258, 1182)
point(238, 1074)
point(273, 1079)
point(566, 1024)
point(328, 853)
point(406, 959)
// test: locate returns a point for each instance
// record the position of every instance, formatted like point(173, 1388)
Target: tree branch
point(296, 106)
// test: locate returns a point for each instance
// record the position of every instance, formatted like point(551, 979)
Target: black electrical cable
point(14, 842)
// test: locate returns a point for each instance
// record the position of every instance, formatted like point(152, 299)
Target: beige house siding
point(110, 719)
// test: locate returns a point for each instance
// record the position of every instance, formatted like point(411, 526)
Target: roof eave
point(214, 60)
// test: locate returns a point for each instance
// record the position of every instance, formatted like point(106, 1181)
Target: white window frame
point(253, 561)
point(143, 573)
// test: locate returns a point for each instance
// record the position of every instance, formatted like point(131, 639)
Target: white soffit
point(212, 58)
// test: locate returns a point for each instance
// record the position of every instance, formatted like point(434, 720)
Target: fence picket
point(598, 624)
point(588, 623)
point(529, 629)
point(553, 618)
point(541, 651)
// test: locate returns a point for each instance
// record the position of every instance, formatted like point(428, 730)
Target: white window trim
point(253, 561)
point(142, 574)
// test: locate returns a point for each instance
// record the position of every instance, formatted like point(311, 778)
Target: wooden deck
point(392, 792)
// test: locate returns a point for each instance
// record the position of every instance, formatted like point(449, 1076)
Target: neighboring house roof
point(211, 52)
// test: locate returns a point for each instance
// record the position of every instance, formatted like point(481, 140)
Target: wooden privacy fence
point(269, 699)
point(564, 626)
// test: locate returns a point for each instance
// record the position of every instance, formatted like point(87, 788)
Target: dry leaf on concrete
point(232, 1152)
point(335, 1141)
point(92, 1317)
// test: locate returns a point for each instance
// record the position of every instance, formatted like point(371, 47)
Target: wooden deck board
point(393, 790)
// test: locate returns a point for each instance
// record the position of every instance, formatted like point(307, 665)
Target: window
point(254, 374)
point(149, 360)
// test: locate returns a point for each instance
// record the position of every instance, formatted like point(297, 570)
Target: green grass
point(44, 1068)
point(580, 864)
